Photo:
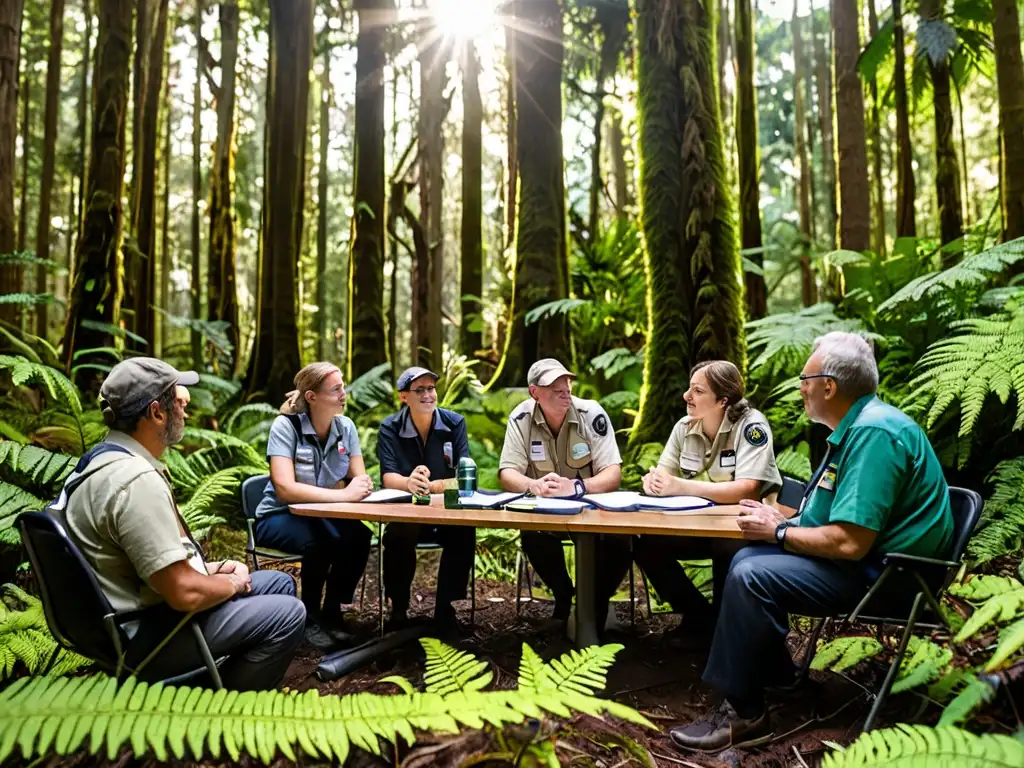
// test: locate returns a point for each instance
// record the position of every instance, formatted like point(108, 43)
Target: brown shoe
point(720, 729)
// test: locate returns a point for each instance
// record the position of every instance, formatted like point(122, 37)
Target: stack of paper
point(539, 504)
point(487, 500)
point(630, 501)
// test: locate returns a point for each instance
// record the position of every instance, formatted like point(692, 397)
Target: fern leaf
point(1001, 529)
point(925, 662)
point(845, 652)
point(1011, 640)
point(14, 501)
point(998, 609)
point(450, 670)
point(533, 673)
point(916, 745)
point(583, 671)
point(976, 692)
point(58, 386)
point(979, 588)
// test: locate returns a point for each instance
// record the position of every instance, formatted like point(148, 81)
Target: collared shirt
point(740, 451)
point(124, 520)
point(881, 473)
point(400, 449)
point(317, 464)
point(584, 446)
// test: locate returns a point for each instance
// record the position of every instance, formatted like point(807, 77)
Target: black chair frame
point(32, 523)
point(930, 575)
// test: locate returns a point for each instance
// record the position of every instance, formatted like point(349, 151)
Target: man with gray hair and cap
point(560, 445)
point(119, 509)
point(879, 490)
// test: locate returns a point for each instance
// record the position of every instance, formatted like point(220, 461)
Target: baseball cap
point(134, 383)
point(546, 372)
point(409, 375)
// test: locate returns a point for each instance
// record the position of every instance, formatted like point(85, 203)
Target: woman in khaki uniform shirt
point(721, 450)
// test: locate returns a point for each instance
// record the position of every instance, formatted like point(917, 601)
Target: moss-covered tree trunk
point(53, 86)
point(823, 89)
point(222, 298)
point(541, 268)
point(471, 275)
point(1010, 74)
point(10, 45)
point(95, 300)
point(161, 336)
point(906, 187)
point(808, 289)
point(83, 114)
point(366, 339)
point(877, 150)
point(617, 151)
point(694, 301)
point(322, 191)
point(748, 166)
point(195, 284)
point(26, 143)
point(138, 109)
point(854, 190)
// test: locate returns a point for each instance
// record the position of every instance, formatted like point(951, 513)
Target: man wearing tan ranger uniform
point(557, 445)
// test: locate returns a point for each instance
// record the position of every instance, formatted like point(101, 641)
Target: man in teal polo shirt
point(879, 489)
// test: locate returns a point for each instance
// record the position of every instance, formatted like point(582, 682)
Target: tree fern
point(243, 417)
point(194, 436)
point(845, 652)
point(982, 356)
point(450, 670)
point(1001, 529)
point(978, 588)
point(25, 638)
point(35, 467)
point(59, 387)
point(795, 463)
point(917, 746)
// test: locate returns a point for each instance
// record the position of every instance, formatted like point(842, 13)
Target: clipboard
point(549, 506)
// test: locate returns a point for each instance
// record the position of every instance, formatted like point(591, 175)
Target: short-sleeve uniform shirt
point(321, 464)
point(584, 445)
point(400, 449)
point(881, 473)
point(740, 451)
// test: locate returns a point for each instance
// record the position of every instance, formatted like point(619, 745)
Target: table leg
point(586, 571)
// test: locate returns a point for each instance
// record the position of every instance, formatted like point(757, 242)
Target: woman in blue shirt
point(315, 456)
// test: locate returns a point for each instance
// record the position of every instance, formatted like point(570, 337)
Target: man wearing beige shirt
point(123, 517)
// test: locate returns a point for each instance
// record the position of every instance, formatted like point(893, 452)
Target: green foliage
point(58, 386)
point(917, 746)
point(979, 588)
point(34, 467)
point(1011, 640)
point(44, 715)
point(1001, 529)
point(845, 652)
point(450, 670)
point(25, 638)
point(924, 663)
point(581, 672)
point(795, 462)
point(14, 501)
point(999, 609)
point(371, 389)
point(975, 691)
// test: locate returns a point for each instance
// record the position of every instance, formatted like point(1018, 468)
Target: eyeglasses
point(806, 376)
point(421, 391)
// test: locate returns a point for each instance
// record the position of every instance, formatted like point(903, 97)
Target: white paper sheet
point(385, 495)
point(630, 499)
point(488, 500)
point(567, 504)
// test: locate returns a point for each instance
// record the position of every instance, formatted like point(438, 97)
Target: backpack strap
point(78, 474)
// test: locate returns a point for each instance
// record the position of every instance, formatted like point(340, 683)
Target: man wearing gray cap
point(120, 511)
point(419, 448)
point(560, 445)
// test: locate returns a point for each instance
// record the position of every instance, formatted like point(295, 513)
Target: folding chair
point(791, 493)
point(931, 576)
point(252, 492)
point(79, 615)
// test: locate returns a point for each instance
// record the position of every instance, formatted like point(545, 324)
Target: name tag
point(537, 452)
point(828, 478)
point(727, 458)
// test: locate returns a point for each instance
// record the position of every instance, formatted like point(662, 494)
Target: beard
point(175, 429)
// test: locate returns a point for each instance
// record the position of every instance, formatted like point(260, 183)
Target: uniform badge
point(756, 435)
point(600, 424)
point(341, 449)
point(579, 450)
point(828, 478)
point(537, 452)
point(448, 455)
point(727, 458)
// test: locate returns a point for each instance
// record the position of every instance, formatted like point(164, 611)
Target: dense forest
point(631, 186)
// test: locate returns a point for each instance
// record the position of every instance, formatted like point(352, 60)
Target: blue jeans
point(765, 584)
point(333, 552)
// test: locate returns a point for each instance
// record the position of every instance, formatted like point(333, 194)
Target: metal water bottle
point(466, 476)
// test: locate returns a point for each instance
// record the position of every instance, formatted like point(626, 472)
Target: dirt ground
point(662, 683)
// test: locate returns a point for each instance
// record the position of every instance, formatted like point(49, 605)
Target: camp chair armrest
point(901, 559)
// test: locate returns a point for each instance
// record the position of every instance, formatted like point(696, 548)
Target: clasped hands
point(237, 573)
point(658, 482)
point(758, 521)
point(552, 485)
point(419, 481)
point(356, 489)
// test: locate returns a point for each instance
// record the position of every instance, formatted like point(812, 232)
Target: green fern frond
point(1011, 640)
point(14, 501)
point(923, 664)
point(917, 746)
point(979, 588)
point(845, 652)
point(242, 416)
point(975, 692)
point(59, 387)
point(42, 468)
point(194, 435)
point(533, 672)
point(450, 670)
point(795, 464)
point(1001, 529)
point(582, 672)
point(998, 609)
point(25, 637)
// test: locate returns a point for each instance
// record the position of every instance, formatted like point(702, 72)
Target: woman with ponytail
point(721, 450)
point(315, 456)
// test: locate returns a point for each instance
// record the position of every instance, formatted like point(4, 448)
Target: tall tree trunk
point(1010, 75)
point(83, 113)
point(53, 84)
point(854, 191)
point(877, 183)
point(366, 339)
point(138, 105)
point(160, 342)
point(222, 301)
point(321, 213)
point(195, 292)
point(511, 129)
point(724, 58)
point(808, 290)
point(695, 306)
point(10, 47)
point(906, 187)
point(26, 148)
point(541, 257)
point(617, 145)
point(823, 88)
point(96, 293)
point(947, 168)
point(747, 153)
point(471, 235)
point(143, 280)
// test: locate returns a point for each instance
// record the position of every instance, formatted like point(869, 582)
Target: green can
point(466, 476)
point(417, 499)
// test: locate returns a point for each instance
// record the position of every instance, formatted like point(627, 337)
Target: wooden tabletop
point(716, 522)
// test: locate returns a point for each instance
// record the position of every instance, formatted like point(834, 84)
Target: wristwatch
point(579, 487)
point(780, 532)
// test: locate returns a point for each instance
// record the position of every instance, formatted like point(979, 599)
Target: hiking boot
point(319, 638)
point(722, 728)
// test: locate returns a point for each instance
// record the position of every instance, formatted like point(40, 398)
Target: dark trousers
point(333, 552)
point(765, 585)
point(258, 632)
point(546, 554)
point(659, 556)
point(400, 540)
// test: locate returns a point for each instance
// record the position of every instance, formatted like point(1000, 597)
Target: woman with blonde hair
point(315, 456)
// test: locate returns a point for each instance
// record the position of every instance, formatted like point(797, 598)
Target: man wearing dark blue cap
point(419, 447)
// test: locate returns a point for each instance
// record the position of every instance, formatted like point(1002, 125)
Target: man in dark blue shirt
point(419, 448)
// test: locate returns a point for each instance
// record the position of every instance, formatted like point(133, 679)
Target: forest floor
point(662, 683)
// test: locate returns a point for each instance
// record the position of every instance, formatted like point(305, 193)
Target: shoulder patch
point(756, 434)
point(600, 424)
